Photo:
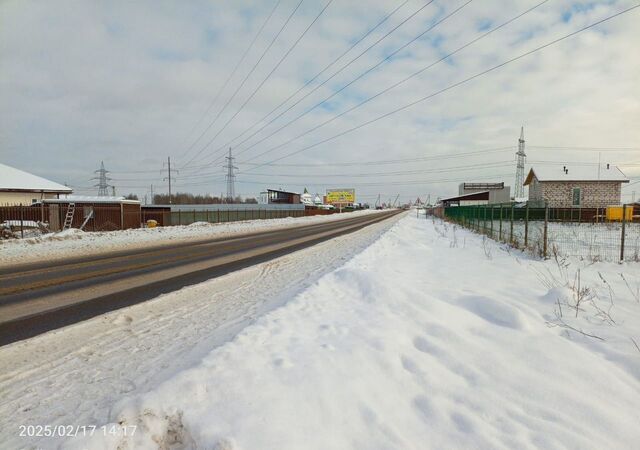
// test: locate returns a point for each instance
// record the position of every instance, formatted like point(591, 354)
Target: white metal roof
point(577, 173)
point(12, 179)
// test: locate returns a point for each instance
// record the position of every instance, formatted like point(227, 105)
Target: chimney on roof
point(566, 171)
point(607, 166)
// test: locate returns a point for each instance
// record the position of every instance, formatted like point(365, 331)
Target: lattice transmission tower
point(230, 177)
point(103, 180)
point(519, 189)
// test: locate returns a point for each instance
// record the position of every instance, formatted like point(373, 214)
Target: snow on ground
point(74, 375)
point(585, 241)
point(74, 242)
point(430, 338)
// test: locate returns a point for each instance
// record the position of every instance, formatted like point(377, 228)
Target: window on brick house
point(575, 197)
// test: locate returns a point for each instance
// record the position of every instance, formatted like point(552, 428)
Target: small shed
point(576, 187)
point(94, 213)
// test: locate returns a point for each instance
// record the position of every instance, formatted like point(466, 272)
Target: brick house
point(567, 187)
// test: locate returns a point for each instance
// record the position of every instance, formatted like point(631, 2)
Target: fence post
point(491, 222)
point(624, 222)
point(194, 216)
point(544, 236)
point(526, 225)
point(484, 222)
point(511, 226)
point(179, 218)
point(22, 221)
point(500, 229)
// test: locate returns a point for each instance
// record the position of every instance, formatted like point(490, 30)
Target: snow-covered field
point(73, 242)
point(430, 337)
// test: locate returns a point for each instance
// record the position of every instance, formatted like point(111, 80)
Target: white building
point(306, 198)
point(18, 187)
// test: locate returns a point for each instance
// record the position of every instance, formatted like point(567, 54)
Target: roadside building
point(274, 196)
point(18, 187)
point(93, 213)
point(306, 198)
point(498, 192)
point(565, 187)
point(474, 198)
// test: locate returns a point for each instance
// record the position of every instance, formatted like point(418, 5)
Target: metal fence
point(185, 216)
point(575, 232)
point(30, 221)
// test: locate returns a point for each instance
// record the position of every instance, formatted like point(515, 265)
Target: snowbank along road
point(38, 297)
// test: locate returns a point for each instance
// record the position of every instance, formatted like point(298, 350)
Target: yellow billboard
point(336, 196)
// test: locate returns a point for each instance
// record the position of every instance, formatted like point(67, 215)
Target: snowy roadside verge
point(430, 338)
point(70, 243)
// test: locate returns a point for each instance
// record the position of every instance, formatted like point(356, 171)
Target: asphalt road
point(36, 298)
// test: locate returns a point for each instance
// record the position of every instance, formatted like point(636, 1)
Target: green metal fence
point(575, 232)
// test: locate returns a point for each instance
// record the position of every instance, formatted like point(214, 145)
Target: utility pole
point(169, 176)
point(519, 189)
point(230, 177)
point(113, 191)
point(151, 194)
point(103, 180)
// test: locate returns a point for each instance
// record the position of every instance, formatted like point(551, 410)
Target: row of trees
point(185, 198)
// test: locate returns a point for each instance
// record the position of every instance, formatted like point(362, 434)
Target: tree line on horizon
point(186, 198)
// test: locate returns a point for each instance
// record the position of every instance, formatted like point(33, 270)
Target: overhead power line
point(334, 74)
point(264, 80)
point(594, 149)
point(363, 74)
point(336, 182)
point(453, 86)
point(244, 80)
point(389, 88)
point(233, 72)
point(391, 161)
point(315, 77)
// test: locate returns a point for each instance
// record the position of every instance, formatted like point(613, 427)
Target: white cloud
point(126, 82)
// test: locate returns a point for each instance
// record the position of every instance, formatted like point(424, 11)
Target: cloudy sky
point(132, 83)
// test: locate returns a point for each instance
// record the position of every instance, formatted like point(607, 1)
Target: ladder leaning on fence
point(68, 220)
